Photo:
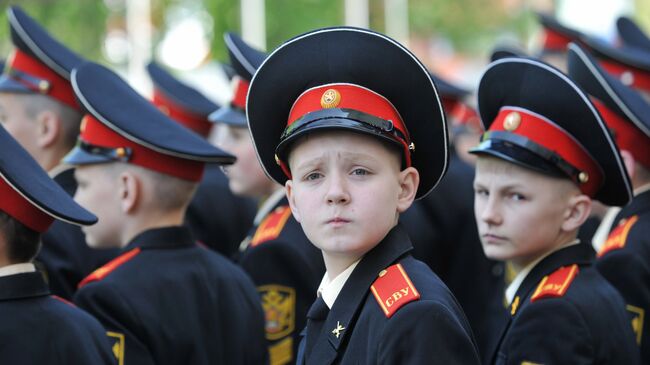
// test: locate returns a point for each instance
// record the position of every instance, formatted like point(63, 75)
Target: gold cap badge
point(583, 177)
point(512, 121)
point(43, 86)
point(330, 99)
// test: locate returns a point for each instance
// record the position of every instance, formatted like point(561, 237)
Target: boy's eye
point(313, 176)
point(360, 171)
point(517, 197)
point(481, 192)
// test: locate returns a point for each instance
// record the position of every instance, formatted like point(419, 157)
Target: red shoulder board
point(556, 284)
point(617, 238)
point(393, 289)
point(101, 273)
point(272, 225)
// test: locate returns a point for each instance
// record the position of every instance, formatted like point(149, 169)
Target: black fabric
point(178, 303)
point(587, 325)
point(432, 329)
point(315, 321)
point(39, 329)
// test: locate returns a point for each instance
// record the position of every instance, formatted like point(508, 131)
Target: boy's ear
point(288, 188)
point(578, 210)
point(48, 128)
point(409, 180)
point(130, 192)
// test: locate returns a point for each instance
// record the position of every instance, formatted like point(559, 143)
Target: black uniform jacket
point(625, 262)
point(586, 324)
point(65, 258)
point(216, 217)
point(37, 328)
point(166, 300)
point(287, 269)
point(357, 330)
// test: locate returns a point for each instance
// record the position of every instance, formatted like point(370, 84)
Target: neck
point(151, 221)
point(336, 264)
point(563, 240)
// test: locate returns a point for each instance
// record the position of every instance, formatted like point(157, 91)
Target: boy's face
point(347, 191)
point(246, 176)
point(14, 118)
point(98, 192)
point(521, 214)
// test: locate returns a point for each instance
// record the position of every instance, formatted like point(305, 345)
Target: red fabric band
point(14, 204)
point(240, 91)
point(630, 76)
point(193, 121)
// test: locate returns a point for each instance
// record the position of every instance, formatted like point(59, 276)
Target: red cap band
point(464, 115)
point(47, 82)
point(553, 138)
point(240, 91)
point(628, 136)
point(193, 121)
point(630, 76)
point(555, 41)
point(96, 133)
point(14, 204)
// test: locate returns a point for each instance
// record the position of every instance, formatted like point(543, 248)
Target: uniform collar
point(516, 283)
point(165, 237)
point(345, 311)
point(268, 205)
point(330, 289)
point(17, 269)
point(638, 205)
point(23, 285)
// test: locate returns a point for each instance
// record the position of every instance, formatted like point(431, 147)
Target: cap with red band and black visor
point(538, 118)
point(120, 125)
point(345, 78)
point(39, 64)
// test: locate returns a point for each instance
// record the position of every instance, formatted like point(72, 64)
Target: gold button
point(412, 147)
point(43, 86)
point(82, 127)
point(382, 273)
point(512, 121)
point(330, 99)
point(277, 160)
point(121, 152)
point(583, 177)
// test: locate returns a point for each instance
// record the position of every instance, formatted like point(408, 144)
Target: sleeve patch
point(279, 304)
point(272, 225)
point(556, 284)
point(282, 352)
point(103, 271)
point(616, 239)
point(393, 289)
point(116, 341)
point(637, 318)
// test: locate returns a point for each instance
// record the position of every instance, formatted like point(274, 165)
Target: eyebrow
point(346, 156)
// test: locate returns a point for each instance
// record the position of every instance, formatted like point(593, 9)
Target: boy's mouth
point(338, 221)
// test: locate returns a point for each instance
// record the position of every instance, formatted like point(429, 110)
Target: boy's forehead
point(502, 172)
point(346, 143)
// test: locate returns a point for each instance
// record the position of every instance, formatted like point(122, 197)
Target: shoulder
point(271, 227)
point(631, 233)
point(107, 269)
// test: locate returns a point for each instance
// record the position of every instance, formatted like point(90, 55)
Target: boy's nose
point(337, 192)
point(490, 213)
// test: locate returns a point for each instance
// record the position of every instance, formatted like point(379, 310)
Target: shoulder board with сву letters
point(555, 284)
point(272, 225)
point(393, 289)
point(617, 238)
point(109, 267)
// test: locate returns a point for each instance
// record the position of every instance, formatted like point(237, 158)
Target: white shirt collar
point(268, 204)
point(516, 283)
point(330, 289)
point(17, 269)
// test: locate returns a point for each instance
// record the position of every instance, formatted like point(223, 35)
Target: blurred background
point(453, 37)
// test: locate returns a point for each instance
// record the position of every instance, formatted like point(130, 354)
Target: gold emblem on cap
point(120, 152)
point(277, 159)
point(330, 99)
point(583, 177)
point(512, 121)
point(43, 86)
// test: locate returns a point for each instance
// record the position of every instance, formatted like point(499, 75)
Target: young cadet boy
point(165, 299)
point(38, 328)
point(220, 229)
point(354, 146)
point(284, 265)
point(545, 154)
point(38, 108)
point(624, 259)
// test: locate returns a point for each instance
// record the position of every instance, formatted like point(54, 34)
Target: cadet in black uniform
point(38, 328)
point(165, 299)
point(545, 154)
point(624, 259)
point(331, 120)
point(39, 109)
point(284, 265)
point(220, 229)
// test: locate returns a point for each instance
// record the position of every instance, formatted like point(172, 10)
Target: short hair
point(70, 118)
point(23, 243)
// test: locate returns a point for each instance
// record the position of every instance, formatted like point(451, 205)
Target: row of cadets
point(354, 145)
point(544, 157)
point(216, 217)
point(165, 299)
point(624, 256)
point(442, 229)
point(40, 111)
point(38, 328)
point(285, 267)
